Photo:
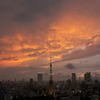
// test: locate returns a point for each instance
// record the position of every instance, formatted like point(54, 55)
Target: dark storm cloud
point(90, 41)
point(24, 17)
point(28, 50)
point(32, 55)
point(9, 58)
point(69, 66)
point(32, 11)
point(34, 8)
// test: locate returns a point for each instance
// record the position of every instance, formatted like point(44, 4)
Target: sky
point(32, 31)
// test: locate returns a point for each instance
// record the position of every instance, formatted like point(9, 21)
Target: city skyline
point(33, 31)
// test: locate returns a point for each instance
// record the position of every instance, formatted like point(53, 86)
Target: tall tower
point(51, 90)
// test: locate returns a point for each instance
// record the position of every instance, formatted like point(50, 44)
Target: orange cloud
point(80, 74)
point(45, 66)
point(67, 29)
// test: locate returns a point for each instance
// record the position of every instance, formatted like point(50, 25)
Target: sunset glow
point(67, 31)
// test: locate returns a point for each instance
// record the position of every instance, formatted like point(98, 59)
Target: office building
point(73, 79)
point(87, 78)
point(31, 81)
point(69, 83)
point(40, 79)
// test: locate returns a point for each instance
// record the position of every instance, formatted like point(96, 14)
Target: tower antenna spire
point(50, 61)
point(51, 90)
point(50, 69)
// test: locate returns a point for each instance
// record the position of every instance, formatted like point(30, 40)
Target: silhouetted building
point(2, 93)
point(87, 78)
point(73, 79)
point(40, 79)
point(31, 81)
point(69, 83)
point(96, 83)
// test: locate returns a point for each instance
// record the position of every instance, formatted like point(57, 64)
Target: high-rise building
point(87, 78)
point(73, 79)
point(31, 81)
point(40, 79)
point(51, 90)
point(69, 83)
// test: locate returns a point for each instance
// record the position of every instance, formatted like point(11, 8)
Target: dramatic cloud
point(33, 30)
point(69, 66)
point(9, 58)
point(90, 50)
